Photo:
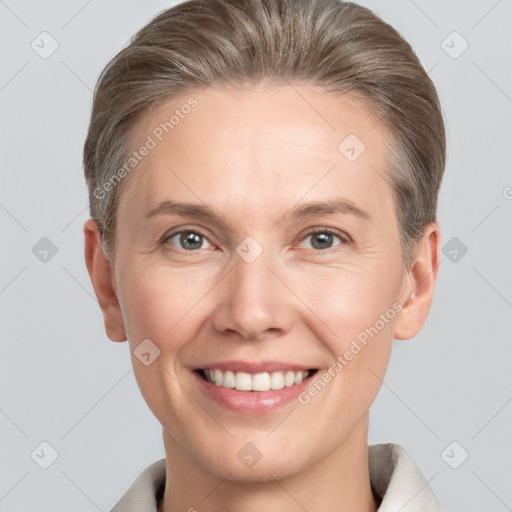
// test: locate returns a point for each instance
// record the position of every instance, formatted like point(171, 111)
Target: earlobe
point(419, 286)
point(101, 273)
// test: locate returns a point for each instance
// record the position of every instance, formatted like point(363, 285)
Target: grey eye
point(188, 240)
point(321, 240)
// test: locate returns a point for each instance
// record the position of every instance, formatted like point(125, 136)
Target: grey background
point(65, 383)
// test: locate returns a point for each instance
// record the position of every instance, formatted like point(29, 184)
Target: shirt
point(394, 477)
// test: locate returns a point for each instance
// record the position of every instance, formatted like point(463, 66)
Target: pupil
point(191, 240)
point(324, 239)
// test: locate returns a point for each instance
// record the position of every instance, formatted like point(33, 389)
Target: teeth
point(229, 380)
point(289, 379)
point(243, 381)
point(261, 382)
point(277, 380)
point(299, 377)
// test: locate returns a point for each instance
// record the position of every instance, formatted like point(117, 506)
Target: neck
point(339, 481)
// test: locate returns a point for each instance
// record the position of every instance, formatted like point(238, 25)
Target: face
point(257, 242)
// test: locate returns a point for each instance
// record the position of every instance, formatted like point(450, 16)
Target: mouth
point(252, 388)
point(254, 382)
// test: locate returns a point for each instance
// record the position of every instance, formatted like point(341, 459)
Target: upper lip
point(254, 366)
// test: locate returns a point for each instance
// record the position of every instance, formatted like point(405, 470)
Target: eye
point(321, 239)
point(187, 240)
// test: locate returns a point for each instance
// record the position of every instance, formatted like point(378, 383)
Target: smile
point(244, 381)
point(251, 388)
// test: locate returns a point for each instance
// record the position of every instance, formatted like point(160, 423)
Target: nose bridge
point(252, 278)
point(252, 301)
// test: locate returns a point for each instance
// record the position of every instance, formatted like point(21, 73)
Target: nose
point(253, 301)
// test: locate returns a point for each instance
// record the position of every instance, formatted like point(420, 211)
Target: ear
point(101, 272)
point(418, 285)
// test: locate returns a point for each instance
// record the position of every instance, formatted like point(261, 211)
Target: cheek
point(351, 303)
point(156, 302)
point(358, 303)
point(142, 307)
point(361, 315)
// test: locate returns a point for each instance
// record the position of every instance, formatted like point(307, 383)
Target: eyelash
point(341, 236)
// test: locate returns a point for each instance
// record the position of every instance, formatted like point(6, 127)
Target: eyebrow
point(340, 206)
point(304, 211)
point(197, 211)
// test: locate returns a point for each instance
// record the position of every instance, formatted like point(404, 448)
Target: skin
point(254, 155)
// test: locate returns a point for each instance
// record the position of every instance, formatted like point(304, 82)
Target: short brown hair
point(339, 46)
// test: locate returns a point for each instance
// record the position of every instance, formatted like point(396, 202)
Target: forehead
point(251, 149)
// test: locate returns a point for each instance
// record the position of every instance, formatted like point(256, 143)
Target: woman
point(263, 180)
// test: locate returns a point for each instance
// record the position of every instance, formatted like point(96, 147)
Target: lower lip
point(251, 403)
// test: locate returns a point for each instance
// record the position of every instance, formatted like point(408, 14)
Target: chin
point(265, 470)
point(254, 461)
